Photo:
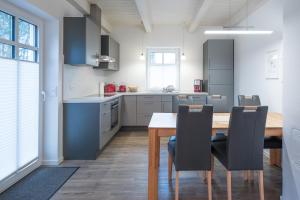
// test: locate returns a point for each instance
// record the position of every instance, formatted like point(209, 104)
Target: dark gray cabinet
point(81, 138)
point(218, 68)
point(82, 42)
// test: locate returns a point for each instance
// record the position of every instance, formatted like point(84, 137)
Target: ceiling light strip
point(237, 32)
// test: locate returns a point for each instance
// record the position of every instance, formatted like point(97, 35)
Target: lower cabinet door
point(143, 119)
point(166, 106)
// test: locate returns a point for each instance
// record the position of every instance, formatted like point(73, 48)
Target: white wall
point(291, 101)
point(81, 81)
point(133, 70)
point(250, 56)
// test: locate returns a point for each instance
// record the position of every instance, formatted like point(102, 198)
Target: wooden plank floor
point(120, 173)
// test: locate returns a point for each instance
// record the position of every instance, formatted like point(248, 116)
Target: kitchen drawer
point(148, 107)
point(149, 98)
point(105, 107)
point(143, 119)
point(166, 98)
point(198, 99)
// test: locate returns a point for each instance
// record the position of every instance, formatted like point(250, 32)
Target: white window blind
point(8, 116)
point(162, 68)
point(19, 116)
point(28, 123)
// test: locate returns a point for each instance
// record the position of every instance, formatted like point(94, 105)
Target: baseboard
point(53, 162)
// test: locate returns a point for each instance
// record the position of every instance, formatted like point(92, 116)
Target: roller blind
point(19, 116)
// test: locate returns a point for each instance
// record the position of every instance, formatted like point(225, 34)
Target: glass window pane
point(27, 55)
point(169, 58)
point(27, 33)
point(6, 26)
point(156, 58)
point(6, 51)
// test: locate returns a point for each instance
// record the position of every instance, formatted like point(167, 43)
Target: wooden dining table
point(164, 125)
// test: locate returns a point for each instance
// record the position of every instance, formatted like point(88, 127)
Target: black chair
point(249, 100)
point(192, 149)
point(270, 142)
point(243, 149)
point(220, 105)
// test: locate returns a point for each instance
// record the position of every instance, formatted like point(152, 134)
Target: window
point(19, 94)
point(162, 68)
point(25, 46)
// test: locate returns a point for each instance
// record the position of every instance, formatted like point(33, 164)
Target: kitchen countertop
point(101, 98)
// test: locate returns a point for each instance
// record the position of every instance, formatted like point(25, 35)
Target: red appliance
point(109, 88)
point(198, 83)
point(122, 88)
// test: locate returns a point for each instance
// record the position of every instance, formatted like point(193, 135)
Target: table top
point(220, 121)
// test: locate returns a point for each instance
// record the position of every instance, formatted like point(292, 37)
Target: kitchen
point(111, 79)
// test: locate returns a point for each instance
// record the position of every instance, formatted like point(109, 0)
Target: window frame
point(15, 37)
point(149, 64)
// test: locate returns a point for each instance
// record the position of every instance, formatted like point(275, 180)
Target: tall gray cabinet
point(218, 68)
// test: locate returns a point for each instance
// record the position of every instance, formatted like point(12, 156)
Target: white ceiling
point(125, 12)
point(120, 11)
point(173, 11)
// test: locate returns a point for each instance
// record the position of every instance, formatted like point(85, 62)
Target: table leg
point(153, 164)
point(158, 151)
point(275, 157)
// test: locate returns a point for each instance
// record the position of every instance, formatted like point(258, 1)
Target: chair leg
point(229, 193)
point(261, 185)
point(209, 176)
point(245, 173)
point(204, 176)
point(177, 186)
point(170, 163)
point(212, 166)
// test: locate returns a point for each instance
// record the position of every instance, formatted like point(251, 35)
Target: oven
point(114, 113)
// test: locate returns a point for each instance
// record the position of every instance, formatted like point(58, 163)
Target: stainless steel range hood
point(110, 51)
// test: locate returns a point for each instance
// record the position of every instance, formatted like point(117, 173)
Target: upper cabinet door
point(81, 41)
point(93, 35)
point(220, 54)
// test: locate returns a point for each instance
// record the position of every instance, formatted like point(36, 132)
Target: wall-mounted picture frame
point(273, 65)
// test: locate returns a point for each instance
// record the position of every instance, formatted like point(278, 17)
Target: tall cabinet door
point(218, 62)
point(93, 42)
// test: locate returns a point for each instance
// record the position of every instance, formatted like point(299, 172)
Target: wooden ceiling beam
point(200, 14)
point(144, 11)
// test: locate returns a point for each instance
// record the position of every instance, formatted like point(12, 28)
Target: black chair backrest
point(193, 138)
point(249, 100)
point(245, 141)
point(219, 103)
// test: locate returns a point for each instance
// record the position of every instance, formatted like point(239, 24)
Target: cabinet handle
point(148, 103)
